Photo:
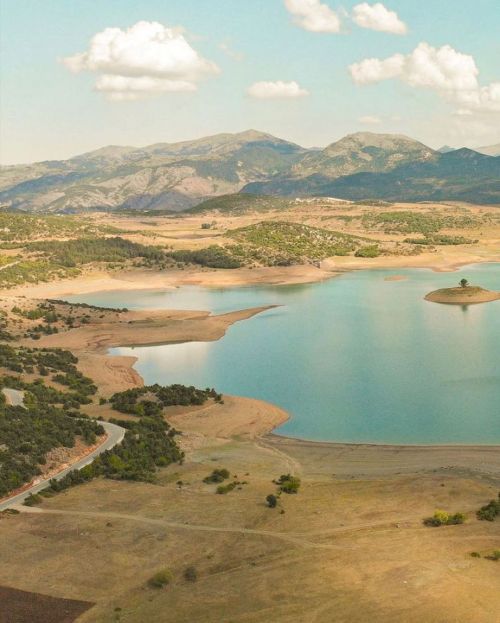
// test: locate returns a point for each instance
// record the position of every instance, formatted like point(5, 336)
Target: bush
point(288, 483)
point(218, 475)
point(272, 500)
point(161, 578)
point(223, 489)
point(490, 510)
point(33, 499)
point(372, 250)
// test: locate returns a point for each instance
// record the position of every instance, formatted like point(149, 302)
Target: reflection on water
point(356, 358)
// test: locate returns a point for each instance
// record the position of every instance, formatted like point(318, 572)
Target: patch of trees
point(213, 257)
point(441, 239)
point(45, 361)
point(148, 445)
point(288, 483)
point(87, 306)
point(151, 399)
point(28, 433)
point(490, 511)
point(442, 518)
point(71, 253)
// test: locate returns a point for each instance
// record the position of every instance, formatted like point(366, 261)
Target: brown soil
point(25, 607)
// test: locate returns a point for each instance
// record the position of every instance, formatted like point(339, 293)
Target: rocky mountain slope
point(176, 176)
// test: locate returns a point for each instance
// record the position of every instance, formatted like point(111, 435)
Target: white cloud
point(314, 16)
point(378, 17)
point(453, 75)
point(275, 90)
point(370, 120)
point(146, 59)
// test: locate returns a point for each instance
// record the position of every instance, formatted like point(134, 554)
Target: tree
point(271, 500)
point(464, 283)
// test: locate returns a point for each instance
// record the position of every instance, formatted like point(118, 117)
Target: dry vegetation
point(350, 546)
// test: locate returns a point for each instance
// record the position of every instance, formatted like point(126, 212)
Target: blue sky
point(49, 112)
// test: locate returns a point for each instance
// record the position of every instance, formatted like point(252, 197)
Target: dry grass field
point(349, 547)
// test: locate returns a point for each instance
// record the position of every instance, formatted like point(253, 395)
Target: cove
point(355, 359)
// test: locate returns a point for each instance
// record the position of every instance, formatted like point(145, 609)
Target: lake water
point(353, 359)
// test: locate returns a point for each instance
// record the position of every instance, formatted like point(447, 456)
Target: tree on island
point(464, 283)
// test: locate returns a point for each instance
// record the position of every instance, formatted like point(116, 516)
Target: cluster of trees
point(441, 239)
point(148, 444)
point(151, 399)
point(34, 271)
point(28, 433)
point(18, 226)
point(409, 221)
point(490, 511)
point(5, 335)
point(62, 363)
point(212, 256)
point(442, 518)
point(286, 483)
point(118, 310)
point(71, 253)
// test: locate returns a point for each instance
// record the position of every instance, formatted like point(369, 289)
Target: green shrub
point(161, 578)
point(372, 250)
point(218, 475)
point(271, 500)
point(288, 483)
point(490, 511)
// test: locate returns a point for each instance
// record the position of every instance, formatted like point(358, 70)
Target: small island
point(464, 294)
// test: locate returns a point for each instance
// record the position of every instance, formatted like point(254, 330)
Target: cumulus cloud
point(370, 120)
point(276, 90)
point(452, 74)
point(146, 59)
point(314, 16)
point(378, 17)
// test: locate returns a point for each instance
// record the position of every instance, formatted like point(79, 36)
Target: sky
point(80, 74)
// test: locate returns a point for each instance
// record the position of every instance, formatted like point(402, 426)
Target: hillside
point(460, 175)
point(162, 176)
point(178, 176)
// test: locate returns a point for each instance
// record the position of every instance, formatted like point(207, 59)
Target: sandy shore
point(151, 280)
point(137, 328)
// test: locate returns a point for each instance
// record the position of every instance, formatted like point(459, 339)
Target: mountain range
point(177, 176)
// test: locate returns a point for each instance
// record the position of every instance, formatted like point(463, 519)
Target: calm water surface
point(355, 358)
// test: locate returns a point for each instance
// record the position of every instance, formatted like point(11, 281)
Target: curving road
point(115, 436)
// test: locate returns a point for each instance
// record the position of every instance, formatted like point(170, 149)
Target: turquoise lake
point(353, 359)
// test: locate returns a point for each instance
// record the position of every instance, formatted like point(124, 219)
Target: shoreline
point(94, 351)
point(301, 274)
point(381, 445)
